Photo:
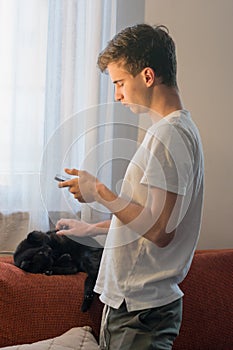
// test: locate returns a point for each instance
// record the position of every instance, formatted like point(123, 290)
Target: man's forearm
point(101, 228)
point(129, 213)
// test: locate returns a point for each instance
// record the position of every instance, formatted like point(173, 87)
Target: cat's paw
point(88, 299)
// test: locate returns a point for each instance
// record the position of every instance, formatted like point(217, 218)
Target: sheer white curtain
point(23, 44)
point(77, 121)
point(49, 92)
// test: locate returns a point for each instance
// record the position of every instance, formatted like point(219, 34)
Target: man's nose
point(118, 94)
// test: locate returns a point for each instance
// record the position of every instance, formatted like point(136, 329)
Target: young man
point(156, 218)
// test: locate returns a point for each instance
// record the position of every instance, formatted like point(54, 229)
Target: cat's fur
point(49, 253)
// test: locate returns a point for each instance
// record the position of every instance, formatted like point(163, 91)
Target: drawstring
point(103, 327)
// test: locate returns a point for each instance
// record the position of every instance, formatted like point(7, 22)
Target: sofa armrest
point(35, 307)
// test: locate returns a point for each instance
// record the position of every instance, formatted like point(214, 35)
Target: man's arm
point(101, 228)
point(156, 222)
point(81, 228)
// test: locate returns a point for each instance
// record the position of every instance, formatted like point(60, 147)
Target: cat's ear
point(35, 237)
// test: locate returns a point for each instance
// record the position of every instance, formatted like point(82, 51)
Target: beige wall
point(203, 32)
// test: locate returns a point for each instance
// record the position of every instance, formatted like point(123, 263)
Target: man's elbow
point(160, 237)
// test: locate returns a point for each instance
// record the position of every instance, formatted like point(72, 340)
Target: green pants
point(148, 329)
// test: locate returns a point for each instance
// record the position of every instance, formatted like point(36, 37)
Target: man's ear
point(149, 76)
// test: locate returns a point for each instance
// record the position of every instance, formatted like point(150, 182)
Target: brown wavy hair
point(142, 46)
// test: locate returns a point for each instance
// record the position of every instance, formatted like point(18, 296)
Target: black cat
point(53, 254)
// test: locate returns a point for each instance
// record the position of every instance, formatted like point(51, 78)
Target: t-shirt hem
point(135, 305)
point(152, 304)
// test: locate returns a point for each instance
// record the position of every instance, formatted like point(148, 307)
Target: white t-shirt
point(133, 268)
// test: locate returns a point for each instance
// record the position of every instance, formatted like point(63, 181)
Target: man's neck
point(165, 100)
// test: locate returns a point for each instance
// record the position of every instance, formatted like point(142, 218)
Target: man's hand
point(83, 187)
point(72, 227)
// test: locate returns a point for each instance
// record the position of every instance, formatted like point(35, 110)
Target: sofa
point(36, 308)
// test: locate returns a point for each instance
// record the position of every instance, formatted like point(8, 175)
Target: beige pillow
point(76, 338)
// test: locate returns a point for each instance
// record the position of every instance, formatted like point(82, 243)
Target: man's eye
point(120, 84)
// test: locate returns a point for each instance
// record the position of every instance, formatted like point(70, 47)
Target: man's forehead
point(117, 70)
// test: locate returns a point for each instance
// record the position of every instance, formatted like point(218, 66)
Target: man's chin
point(137, 108)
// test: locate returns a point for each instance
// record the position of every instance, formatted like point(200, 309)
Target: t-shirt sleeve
point(170, 158)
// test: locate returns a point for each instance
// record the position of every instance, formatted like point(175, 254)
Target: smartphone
point(61, 178)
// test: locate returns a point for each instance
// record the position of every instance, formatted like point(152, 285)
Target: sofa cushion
point(75, 338)
point(35, 307)
point(208, 308)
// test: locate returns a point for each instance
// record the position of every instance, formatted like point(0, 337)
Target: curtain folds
point(52, 116)
point(75, 93)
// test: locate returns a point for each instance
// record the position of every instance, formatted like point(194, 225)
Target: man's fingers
point(68, 183)
point(72, 171)
point(63, 224)
point(62, 232)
